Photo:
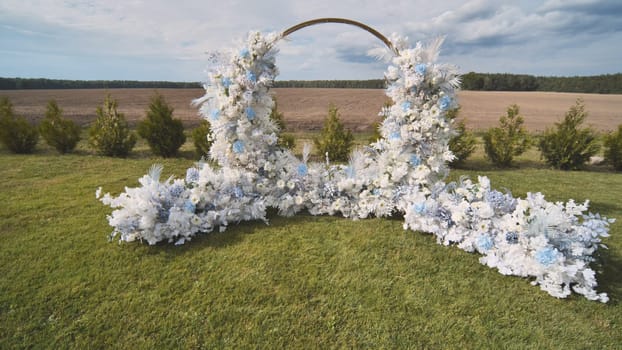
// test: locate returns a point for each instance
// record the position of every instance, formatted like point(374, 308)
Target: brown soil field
point(305, 109)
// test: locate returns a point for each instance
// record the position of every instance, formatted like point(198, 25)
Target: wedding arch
point(403, 172)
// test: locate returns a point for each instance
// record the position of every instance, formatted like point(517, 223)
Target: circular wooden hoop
point(369, 29)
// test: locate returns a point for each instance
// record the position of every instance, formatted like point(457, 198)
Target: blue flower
point(419, 208)
point(546, 256)
point(302, 169)
point(163, 214)
point(504, 203)
point(176, 190)
point(238, 146)
point(511, 237)
point(192, 175)
point(237, 192)
point(444, 103)
point(244, 53)
point(415, 160)
point(394, 136)
point(250, 76)
point(214, 114)
point(250, 113)
point(484, 243)
point(189, 207)
point(226, 82)
point(445, 215)
point(421, 68)
point(406, 106)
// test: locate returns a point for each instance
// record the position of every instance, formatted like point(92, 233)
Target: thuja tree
point(613, 149)
point(62, 134)
point(201, 138)
point(16, 133)
point(334, 139)
point(110, 135)
point(375, 126)
point(462, 145)
point(164, 134)
point(285, 140)
point(507, 141)
point(567, 146)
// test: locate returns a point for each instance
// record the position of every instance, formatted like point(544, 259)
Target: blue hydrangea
point(244, 53)
point(238, 146)
point(419, 208)
point(415, 160)
point(302, 169)
point(250, 76)
point(444, 103)
point(214, 114)
point(500, 202)
point(163, 214)
point(237, 192)
point(226, 82)
point(189, 207)
point(484, 243)
point(445, 215)
point(546, 256)
point(176, 190)
point(192, 175)
point(511, 237)
point(250, 113)
point(406, 106)
point(421, 68)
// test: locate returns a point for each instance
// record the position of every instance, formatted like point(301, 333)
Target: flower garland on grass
point(402, 172)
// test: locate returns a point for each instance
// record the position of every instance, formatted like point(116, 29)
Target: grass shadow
point(609, 264)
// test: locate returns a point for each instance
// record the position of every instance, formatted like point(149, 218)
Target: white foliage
point(552, 243)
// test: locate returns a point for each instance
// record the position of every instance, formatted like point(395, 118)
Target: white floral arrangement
point(403, 173)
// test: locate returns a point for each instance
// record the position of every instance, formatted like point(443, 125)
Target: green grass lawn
point(302, 282)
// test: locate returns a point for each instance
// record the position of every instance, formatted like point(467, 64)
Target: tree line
point(601, 84)
point(42, 83)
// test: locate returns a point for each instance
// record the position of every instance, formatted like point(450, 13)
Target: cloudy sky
point(168, 40)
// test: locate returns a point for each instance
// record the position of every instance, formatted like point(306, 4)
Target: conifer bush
point(62, 134)
point(200, 138)
point(376, 135)
point(567, 146)
point(16, 133)
point(285, 140)
point(334, 138)
point(510, 139)
point(376, 126)
point(110, 135)
point(462, 145)
point(613, 149)
point(164, 134)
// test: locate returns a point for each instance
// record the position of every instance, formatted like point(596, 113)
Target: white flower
point(195, 197)
point(195, 220)
point(529, 237)
point(483, 210)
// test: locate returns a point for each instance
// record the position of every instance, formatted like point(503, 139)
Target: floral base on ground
point(404, 172)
